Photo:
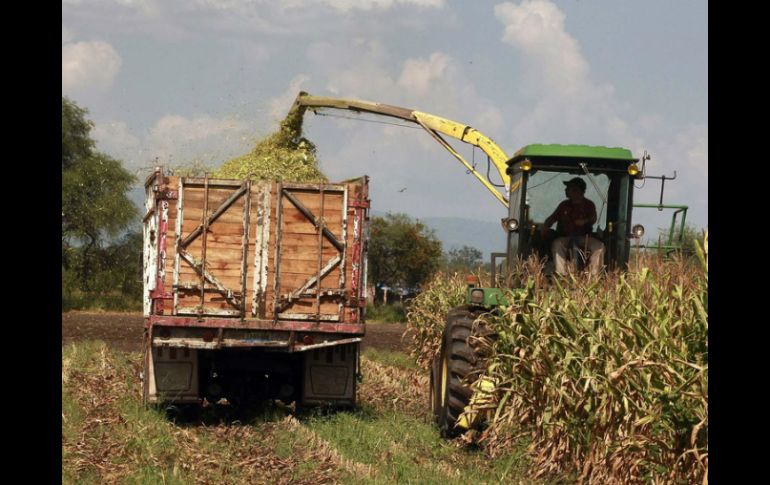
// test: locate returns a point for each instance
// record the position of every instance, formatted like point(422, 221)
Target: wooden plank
point(332, 218)
point(229, 281)
point(218, 253)
point(304, 226)
point(194, 197)
point(311, 254)
point(292, 281)
point(227, 229)
point(233, 214)
point(312, 201)
point(304, 238)
point(309, 230)
point(220, 250)
point(294, 276)
point(195, 182)
point(300, 239)
point(307, 305)
point(227, 240)
point(299, 251)
point(307, 266)
point(314, 187)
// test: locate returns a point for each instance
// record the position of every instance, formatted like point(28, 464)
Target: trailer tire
point(455, 361)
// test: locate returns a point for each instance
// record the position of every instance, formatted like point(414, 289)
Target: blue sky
point(204, 79)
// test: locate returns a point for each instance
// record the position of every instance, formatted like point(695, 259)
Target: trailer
point(253, 290)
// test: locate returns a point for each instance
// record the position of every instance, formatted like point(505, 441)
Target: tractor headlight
point(477, 296)
point(510, 224)
point(637, 231)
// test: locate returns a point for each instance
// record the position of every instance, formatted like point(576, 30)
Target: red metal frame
point(230, 323)
point(162, 194)
point(360, 204)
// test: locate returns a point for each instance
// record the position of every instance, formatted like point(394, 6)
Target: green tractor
point(531, 186)
point(539, 174)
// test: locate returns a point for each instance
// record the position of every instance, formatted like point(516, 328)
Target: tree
point(76, 144)
point(95, 187)
point(463, 260)
point(403, 253)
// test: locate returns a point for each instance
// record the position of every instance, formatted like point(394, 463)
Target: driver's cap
point(577, 182)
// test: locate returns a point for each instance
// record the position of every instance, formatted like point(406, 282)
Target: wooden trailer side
point(245, 249)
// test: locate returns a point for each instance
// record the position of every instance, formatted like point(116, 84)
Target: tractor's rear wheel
point(455, 361)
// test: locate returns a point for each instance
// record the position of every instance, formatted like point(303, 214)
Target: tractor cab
point(539, 174)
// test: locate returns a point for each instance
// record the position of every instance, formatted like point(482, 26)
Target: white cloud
point(421, 75)
point(88, 65)
point(358, 69)
point(341, 5)
point(181, 20)
point(684, 152)
point(347, 5)
point(148, 7)
point(536, 28)
point(567, 106)
point(362, 69)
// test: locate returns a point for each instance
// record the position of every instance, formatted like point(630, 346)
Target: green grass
point(404, 449)
point(108, 436)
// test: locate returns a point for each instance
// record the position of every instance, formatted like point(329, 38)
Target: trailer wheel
point(455, 361)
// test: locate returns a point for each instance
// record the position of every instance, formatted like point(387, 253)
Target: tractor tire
point(455, 361)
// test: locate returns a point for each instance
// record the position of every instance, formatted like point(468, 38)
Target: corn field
point(428, 312)
point(607, 378)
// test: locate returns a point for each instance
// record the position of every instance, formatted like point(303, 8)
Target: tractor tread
point(460, 361)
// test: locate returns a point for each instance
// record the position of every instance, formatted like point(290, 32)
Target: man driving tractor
point(575, 218)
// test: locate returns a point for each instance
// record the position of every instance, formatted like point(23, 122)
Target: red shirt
point(568, 212)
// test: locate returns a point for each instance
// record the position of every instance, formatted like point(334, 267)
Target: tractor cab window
point(546, 190)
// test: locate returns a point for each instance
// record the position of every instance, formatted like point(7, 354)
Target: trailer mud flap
point(172, 374)
point(330, 375)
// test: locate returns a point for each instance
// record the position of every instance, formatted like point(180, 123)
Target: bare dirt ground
point(123, 331)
